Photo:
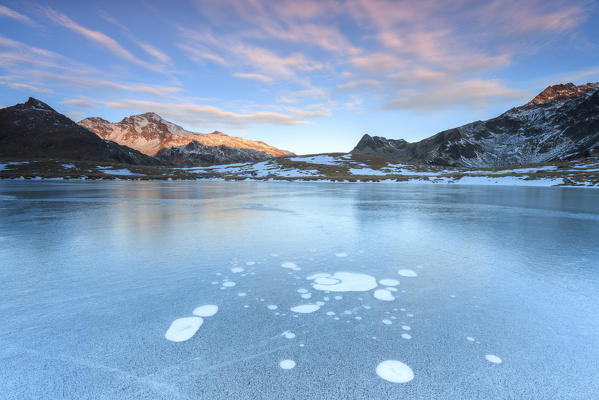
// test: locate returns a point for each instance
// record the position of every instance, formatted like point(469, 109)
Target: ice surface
point(183, 329)
point(92, 274)
point(395, 371)
point(206, 311)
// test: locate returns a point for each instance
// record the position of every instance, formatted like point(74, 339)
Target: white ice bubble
point(330, 313)
point(395, 371)
point(287, 364)
point(237, 270)
point(387, 322)
point(383, 294)
point(306, 296)
point(290, 265)
point(319, 275)
point(407, 273)
point(470, 338)
point(389, 282)
point(183, 329)
point(493, 358)
point(338, 297)
point(288, 335)
point(406, 336)
point(320, 303)
point(326, 298)
point(229, 284)
point(410, 315)
point(241, 294)
point(349, 282)
point(305, 308)
point(406, 328)
point(272, 307)
point(341, 254)
point(250, 263)
point(302, 290)
point(391, 289)
point(326, 281)
point(207, 310)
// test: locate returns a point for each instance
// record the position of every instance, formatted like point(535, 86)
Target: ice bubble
point(470, 338)
point(330, 313)
point(383, 294)
point(228, 284)
point(387, 322)
point(290, 265)
point(493, 358)
point(389, 282)
point(391, 289)
point(287, 364)
point(319, 275)
point(408, 273)
point(406, 328)
point(305, 308)
point(205, 311)
point(367, 307)
point(272, 307)
point(302, 290)
point(326, 281)
point(250, 263)
point(358, 318)
point(395, 371)
point(320, 303)
point(237, 270)
point(349, 282)
point(341, 254)
point(338, 297)
point(326, 298)
point(306, 296)
point(183, 329)
point(274, 255)
point(288, 335)
point(410, 315)
point(406, 336)
point(347, 312)
point(241, 294)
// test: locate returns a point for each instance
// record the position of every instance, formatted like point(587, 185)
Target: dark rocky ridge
point(560, 123)
point(33, 130)
point(194, 153)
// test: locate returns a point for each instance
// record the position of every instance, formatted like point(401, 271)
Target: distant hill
point(562, 122)
point(33, 130)
point(152, 135)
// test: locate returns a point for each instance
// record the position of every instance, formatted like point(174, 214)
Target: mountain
point(562, 122)
point(33, 130)
point(195, 153)
point(150, 134)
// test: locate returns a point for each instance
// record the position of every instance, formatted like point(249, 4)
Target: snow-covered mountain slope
point(560, 123)
point(34, 130)
point(150, 133)
point(196, 153)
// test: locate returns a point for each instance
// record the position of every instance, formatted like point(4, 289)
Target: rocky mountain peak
point(35, 104)
point(562, 91)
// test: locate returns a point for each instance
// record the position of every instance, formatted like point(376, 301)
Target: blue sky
point(307, 76)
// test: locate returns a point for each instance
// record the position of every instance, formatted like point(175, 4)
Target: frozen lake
point(223, 290)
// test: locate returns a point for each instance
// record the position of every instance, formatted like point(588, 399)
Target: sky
point(306, 76)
